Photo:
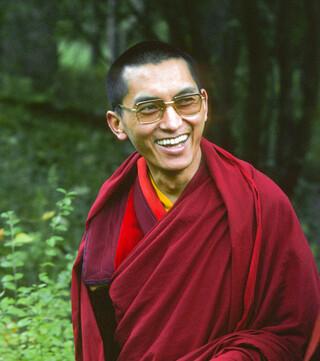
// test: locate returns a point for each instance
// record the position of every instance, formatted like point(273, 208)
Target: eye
point(186, 100)
point(148, 108)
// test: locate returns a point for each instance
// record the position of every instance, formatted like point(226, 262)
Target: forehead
point(162, 80)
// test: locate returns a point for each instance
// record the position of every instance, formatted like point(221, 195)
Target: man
point(189, 253)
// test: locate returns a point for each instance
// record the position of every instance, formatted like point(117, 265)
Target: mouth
point(173, 142)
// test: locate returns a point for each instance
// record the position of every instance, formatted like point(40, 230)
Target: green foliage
point(73, 89)
point(307, 205)
point(35, 317)
point(80, 89)
point(74, 55)
point(17, 88)
point(40, 152)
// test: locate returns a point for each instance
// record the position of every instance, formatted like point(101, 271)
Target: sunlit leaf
point(22, 238)
point(48, 215)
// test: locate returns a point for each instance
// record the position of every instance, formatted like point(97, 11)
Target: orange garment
point(166, 202)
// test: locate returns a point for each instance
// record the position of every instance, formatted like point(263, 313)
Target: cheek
point(197, 120)
point(197, 125)
point(141, 136)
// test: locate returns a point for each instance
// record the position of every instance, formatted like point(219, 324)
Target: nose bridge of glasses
point(165, 105)
point(170, 117)
point(171, 103)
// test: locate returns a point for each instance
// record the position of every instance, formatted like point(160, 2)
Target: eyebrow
point(187, 90)
point(143, 98)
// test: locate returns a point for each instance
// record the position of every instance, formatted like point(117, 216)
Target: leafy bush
point(40, 152)
point(35, 322)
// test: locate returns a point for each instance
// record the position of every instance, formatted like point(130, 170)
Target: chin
point(177, 166)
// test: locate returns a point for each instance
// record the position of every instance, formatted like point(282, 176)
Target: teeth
point(173, 141)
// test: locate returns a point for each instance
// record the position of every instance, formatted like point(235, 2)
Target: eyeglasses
point(151, 111)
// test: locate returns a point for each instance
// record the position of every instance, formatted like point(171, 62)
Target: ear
point(205, 102)
point(116, 126)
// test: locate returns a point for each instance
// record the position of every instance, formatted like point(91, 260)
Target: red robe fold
point(226, 275)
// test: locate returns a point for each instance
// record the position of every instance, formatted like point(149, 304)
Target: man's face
point(163, 81)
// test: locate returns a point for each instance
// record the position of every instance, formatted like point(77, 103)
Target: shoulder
point(280, 224)
point(271, 195)
point(117, 184)
point(274, 202)
point(242, 175)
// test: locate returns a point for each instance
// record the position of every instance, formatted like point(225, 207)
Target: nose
point(171, 120)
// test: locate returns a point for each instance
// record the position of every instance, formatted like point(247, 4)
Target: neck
point(172, 183)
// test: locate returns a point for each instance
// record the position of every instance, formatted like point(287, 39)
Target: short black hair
point(146, 52)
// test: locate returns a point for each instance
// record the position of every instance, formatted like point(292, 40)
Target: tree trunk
point(112, 33)
point(97, 36)
point(223, 88)
point(28, 46)
point(310, 91)
point(286, 118)
point(257, 53)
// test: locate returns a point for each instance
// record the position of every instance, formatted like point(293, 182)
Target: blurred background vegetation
point(260, 62)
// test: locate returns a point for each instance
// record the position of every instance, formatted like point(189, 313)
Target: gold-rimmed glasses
point(151, 111)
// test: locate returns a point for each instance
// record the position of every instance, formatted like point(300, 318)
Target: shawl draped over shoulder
point(226, 275)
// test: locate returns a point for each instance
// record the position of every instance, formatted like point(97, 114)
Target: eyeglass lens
point(152, 111)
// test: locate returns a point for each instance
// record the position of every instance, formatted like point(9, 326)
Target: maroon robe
point(226, 275)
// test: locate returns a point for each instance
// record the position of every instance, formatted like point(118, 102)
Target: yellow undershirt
point(166, 202)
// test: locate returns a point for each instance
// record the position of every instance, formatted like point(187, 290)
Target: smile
point(169, 142)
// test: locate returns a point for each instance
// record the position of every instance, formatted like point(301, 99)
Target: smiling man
point(164, 113)
point(189, 253)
